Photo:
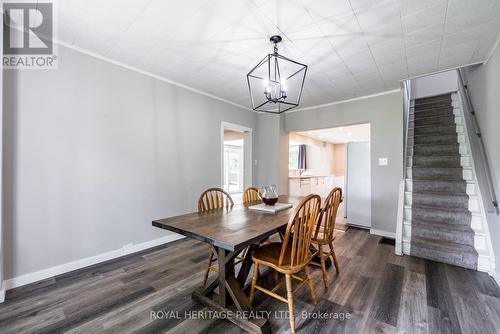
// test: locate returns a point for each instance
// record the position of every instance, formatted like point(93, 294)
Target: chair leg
point(275, 276)
point(310, 284)
point(323, 267)
point(207, 268)
point(254, 282)
point(334, 258)
point(289, 295)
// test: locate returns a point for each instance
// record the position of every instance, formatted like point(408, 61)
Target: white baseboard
point(78, 264)
point(391, 235)
point(2, 292)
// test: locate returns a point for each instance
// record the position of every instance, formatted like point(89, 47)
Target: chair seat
point(269, 255)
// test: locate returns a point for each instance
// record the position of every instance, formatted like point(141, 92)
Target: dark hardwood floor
point(376, 291)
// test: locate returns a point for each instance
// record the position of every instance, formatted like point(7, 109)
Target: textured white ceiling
point(353, 47)
point(341, 134)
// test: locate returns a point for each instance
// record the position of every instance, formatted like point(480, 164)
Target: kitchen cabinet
point(321, 185)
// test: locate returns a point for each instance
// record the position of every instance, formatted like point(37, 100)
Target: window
point(293, 157)
point(233, 168)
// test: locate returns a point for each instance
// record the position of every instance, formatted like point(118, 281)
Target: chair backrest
point(329, 214)
point(214, 198)
point(251, 194)
point(299, 231)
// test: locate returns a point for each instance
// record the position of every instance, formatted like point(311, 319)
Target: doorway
point(320, 160)
point(236, 148)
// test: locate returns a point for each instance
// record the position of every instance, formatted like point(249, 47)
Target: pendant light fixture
point(275, 84)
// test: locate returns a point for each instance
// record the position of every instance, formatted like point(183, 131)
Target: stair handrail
point(406, 120)
point(406, 87)
point(472, 124)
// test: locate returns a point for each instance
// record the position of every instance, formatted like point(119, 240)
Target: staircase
point(442, 216)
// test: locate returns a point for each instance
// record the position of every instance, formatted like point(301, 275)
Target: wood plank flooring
point(376, 291)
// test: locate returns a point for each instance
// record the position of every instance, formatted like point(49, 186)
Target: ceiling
point(353, 47)
point(342, 134)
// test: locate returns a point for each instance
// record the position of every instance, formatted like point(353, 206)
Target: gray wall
point(434, 84)
point(484, 87)
point(385, 114)
point(94, 152)
point(272, 143)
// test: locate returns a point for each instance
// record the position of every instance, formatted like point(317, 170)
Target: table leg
point(226, 269)
point(231, 291)
point(246, 265)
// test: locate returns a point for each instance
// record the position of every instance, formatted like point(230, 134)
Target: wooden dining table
point(229, 232)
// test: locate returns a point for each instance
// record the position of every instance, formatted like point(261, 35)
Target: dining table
point(229, 231)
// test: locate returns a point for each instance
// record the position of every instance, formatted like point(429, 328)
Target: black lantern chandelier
point(276, 82)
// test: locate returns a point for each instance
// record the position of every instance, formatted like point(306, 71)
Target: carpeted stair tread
point(439, 208)
point(460, 234)
point(444, 226)
point(434, 129)
point(440, 214)
point(441, 193)
point(458, 186)
point(435, 139)
point(436, 160)
point(442, 173)
point(447, 116)
point(445, 200)
point(429, 112)
point(444, 245)
point(433, 150)
point(442, 100)
point(435, 120)
point(440, 218)
point(445, 251)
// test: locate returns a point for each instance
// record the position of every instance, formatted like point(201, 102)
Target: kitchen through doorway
point(322, 159)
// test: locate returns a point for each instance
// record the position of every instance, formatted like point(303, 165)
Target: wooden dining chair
point(323, 235)
point(213, 199)
point(291, 256)
point(251, 194)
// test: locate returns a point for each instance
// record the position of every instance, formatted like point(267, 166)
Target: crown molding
point(146, 73)
point(346, 101)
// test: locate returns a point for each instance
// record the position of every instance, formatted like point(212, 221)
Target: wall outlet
point(382, 161)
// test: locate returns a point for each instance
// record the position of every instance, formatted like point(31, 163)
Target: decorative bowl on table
point(269, 195)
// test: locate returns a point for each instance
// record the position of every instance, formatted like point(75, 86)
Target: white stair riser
point(480, 242)
point(407, 231)
point(484, 263)
point(406, 247)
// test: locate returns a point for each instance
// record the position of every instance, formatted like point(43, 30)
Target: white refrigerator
point(358, 184)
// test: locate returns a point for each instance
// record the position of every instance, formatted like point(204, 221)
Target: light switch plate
point(382, 161)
